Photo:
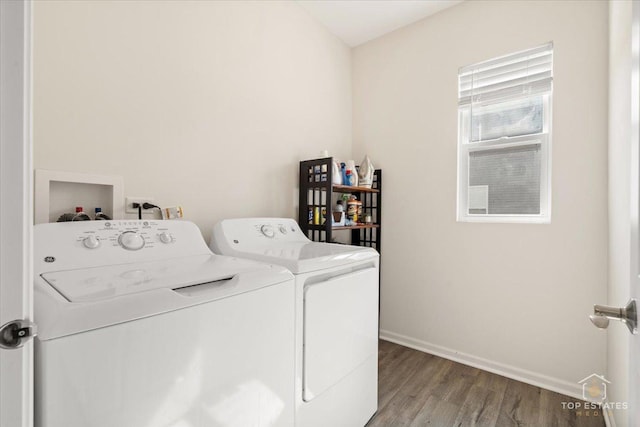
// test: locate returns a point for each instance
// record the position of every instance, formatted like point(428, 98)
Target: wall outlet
point(130, 200)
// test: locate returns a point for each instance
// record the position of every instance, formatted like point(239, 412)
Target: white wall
point(619, 203)
point(513, 298)
point(206, 104)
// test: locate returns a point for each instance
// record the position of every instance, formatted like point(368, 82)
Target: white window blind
point(504, 119)
point(528, 72)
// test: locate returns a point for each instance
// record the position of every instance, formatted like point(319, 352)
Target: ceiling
point(358, 21)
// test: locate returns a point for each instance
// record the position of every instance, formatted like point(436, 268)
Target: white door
point(16, 365)
point(634, 291)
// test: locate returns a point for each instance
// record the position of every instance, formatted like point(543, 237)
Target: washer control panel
point(91, 242)
point(131, 240)
point(117, 241)
point(129, 235)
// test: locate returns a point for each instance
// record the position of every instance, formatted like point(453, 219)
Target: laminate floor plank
point(554, 414)
point(399, 370)
point(410, 398)
point(390, 357)
point(491, 381)
point(386, 350)
point(481, 408)
point(456, 382)
point(393, 394)
point(520, 405)
point(417, 389)
point(436, 412)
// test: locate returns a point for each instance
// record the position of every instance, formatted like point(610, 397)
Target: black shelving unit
point(317, 200)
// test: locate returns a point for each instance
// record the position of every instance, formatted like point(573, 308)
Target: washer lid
point(304, 257)
point(75, 301)
point(93, 284)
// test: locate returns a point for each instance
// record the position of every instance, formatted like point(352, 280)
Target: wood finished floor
point(419, 389)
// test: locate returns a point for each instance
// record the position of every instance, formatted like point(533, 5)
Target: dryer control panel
point(255, 232)
point(277, 229)
point(96, 243)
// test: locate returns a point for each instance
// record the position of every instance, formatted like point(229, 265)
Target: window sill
point(506, 219)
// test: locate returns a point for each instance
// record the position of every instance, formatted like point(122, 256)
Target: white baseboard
point(539, 380)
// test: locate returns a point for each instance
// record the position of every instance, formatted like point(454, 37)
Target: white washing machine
point(336, 316)
point(140, 325)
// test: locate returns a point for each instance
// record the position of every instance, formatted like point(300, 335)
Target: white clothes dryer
point(140, 325)
point(336, 316)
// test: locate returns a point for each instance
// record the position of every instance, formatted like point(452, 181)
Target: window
point(504, 138)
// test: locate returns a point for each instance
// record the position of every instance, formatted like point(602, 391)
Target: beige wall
point(205, 104)
point(513, 298)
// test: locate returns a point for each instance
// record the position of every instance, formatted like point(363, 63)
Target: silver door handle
point(14, 334)
point(627, 315)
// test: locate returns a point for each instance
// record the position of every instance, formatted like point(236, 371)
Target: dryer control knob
point(267, 230)
point(165, 237)
point(91, 242)
point(131, 240)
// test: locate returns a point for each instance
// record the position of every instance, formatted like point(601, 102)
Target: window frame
point(466, 146)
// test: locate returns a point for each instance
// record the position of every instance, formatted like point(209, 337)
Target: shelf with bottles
point(318, 197)
point(353, 189)
point(357, 226)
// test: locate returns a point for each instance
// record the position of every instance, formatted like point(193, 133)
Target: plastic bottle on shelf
point(80, 215)
point(101, 215)
point(336, 173)
point(351, 165)
point(351, 178)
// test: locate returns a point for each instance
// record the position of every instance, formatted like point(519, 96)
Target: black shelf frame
point(316, 199)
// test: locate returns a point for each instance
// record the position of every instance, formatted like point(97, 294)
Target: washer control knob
point(131, 240)
point(267, 230)
point(283, 229)
point(165, 237)
point(91, 242)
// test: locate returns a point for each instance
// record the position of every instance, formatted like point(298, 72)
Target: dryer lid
point(281, 241)
point(304, 257)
